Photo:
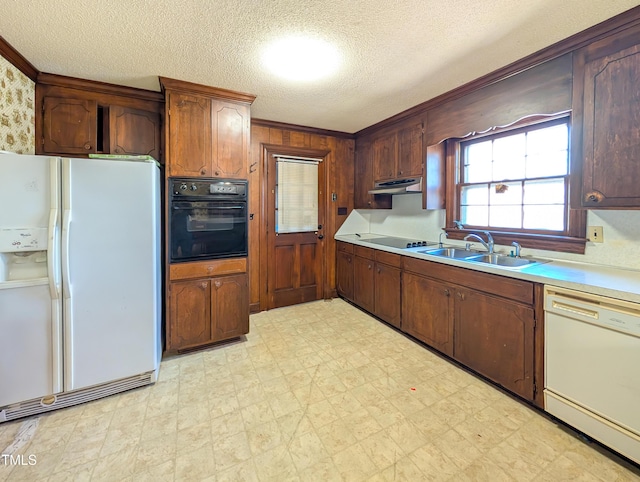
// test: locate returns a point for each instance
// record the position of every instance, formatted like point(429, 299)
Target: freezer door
point(28, 333)
point(111, 277)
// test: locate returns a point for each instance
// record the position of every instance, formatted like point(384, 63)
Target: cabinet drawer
point(391, 259)
point(364, 252)
point(204, 269)
point(345, 247)
point(514, 289)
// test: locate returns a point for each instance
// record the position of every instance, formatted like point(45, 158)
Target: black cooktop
point(399, 242)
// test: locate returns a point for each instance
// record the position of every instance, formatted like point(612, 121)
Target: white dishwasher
point(592, 366)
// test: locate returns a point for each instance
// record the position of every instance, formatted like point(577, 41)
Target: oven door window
point(208, 230)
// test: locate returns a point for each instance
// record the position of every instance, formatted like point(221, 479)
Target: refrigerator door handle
point(66, 227)
point(52, 256)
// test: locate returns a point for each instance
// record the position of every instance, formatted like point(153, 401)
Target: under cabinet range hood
point(407, 185)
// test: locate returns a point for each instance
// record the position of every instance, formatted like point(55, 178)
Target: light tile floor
point(317, 392)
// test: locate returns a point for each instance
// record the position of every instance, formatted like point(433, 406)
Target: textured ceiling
point(395, 53)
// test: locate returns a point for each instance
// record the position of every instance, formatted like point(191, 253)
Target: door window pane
point(296, 195)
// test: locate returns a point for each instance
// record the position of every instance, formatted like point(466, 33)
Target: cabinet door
point(230, 306)
point(363, 280)
point(607, 101)
point(495, 337)
point(189, 321)
point(427, 311)
point(387, 293)
point(344, 274)
point(230, 127)
point(69, 126)
point(410, 151)
point(134, 131)
point(364, 180)
point(385, 155)
point(189, 139)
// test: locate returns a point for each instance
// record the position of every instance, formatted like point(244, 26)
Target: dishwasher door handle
point(567, 308)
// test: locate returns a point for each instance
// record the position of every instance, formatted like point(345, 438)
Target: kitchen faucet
point(488, 244)
point(440, 238)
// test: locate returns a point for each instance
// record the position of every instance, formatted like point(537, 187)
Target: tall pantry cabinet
point(207, 136)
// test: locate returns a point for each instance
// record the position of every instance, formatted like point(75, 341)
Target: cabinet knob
point(203, 285)
point(460, 296)
point(379, 271)
point(87, 146)
point(118, 150)
point(369, 266)
point(218, 284)
point(203, 172)
point(217, 173)
point(446, 292)
point(594, 197)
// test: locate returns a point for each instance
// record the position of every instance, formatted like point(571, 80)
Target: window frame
point(571, 240)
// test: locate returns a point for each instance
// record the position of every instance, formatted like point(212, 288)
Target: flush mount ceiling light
point(301, 58)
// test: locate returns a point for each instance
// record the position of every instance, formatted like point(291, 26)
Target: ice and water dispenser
point(23, 254)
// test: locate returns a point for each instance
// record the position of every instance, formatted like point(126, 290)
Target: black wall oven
point(207, 219)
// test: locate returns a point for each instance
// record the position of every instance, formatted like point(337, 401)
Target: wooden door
point(230, 127)
point(189, 139)
point(606, 98)
point(363, 283)
point(387, 293)
point(495, 337)
point(410, 151)
point(427, 308)
point(230, 306)
point(385, 155)
point(134, 131)
point(344, 274)
point(70, 126)
point(189, 315)
point(295, 265)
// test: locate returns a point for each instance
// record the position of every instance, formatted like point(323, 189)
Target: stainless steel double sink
point(495, 259)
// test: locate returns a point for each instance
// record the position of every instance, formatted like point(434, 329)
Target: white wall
point(407, 219)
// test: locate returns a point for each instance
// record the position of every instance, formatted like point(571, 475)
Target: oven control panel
point(208, 187)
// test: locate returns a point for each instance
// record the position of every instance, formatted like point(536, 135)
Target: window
point(516, 183)
point(296, 195)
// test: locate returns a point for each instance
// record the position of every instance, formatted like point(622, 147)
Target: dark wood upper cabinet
point(410, 151)
point(134, 131)
point(606, 123)
point(364, 180)
point(385, 157)
point(79, 117)
point(69, 125)
point(208, 130)
point(230, 128)
point(189, 139)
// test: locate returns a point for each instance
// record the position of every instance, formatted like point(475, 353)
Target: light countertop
point(601, 280)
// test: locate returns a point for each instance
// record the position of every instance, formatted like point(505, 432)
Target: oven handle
point(177, 206)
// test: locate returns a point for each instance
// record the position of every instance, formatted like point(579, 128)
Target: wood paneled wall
point(339, 180)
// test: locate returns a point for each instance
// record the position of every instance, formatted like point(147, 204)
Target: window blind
point(296, 194)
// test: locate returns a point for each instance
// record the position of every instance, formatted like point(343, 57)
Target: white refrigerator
point(79, 280)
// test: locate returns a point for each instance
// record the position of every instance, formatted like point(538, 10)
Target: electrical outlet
point(595, 234)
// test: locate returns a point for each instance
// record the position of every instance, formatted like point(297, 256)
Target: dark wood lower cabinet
point(485, 321)
point(427, 307)
point(387, 293)
point(495, 337)
point(363, 280)
point(344, 274)
point(204, 311)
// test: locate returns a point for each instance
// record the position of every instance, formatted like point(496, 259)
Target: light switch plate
point(595, 234)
